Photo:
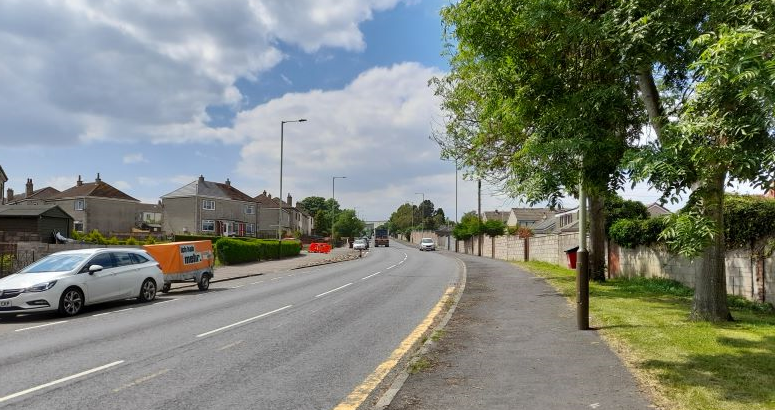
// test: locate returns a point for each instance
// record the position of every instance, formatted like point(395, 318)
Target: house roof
point(32, 211)
point(96, 189)
point(3, 177)
point(495, 215)
point(201, 187)
point(656, 209)
point(532, 214)
point(42, 193)
point(545, 226)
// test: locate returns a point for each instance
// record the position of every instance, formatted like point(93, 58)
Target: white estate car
point(360, 244)
point(427, 244)
point(68, 280)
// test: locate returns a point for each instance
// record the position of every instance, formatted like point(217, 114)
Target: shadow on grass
point(745, 376)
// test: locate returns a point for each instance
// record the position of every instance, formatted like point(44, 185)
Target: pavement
point(512, 343)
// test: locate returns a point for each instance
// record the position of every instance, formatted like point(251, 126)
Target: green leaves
point(688, 233)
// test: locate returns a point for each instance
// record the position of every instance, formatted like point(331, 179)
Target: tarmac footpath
point(512, 343)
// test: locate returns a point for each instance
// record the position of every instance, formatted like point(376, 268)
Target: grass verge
point(689, 365)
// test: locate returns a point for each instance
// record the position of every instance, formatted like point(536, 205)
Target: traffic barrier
point(319, 247)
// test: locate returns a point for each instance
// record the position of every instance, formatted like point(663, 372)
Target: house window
point(251, 229)
point(78, 226)
point(208, 204)
point(208, 226)
point(249, 210)
point(79, 205)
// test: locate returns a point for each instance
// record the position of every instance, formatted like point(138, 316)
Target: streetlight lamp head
point(302, 120)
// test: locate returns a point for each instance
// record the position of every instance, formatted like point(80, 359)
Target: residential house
point(43, 221)
point(656, 209)
point(567, 220)
point(528, 217)
point(3, 180)
point(495, 215)
point(205, 207)
point(268, 218)
point(149, 218)
point(97, 205)
point(30, 196)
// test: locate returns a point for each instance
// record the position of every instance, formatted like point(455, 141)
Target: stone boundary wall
point(744, 278)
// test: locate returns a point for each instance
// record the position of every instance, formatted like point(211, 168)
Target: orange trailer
point(184, 262)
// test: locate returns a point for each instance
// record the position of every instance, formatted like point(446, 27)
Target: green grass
point(689, 365)
point(419, 365)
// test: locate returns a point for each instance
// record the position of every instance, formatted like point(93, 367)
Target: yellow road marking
point(359, 395)
point(141, 380)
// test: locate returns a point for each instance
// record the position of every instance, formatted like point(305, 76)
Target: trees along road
point(300, 339)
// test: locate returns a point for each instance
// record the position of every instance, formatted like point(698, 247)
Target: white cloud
point(122, 185)
point(91, 71)
point(134, 158)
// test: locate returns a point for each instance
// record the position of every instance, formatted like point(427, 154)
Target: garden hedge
point(241, 250)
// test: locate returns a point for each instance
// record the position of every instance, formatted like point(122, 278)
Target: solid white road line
point(274, 278)
point(39, 326)
point(372, 275)
point(256, 283)
point(236, 287)
point(62, 380)
point(333, 290)
point(243, 321)
point(161, 303)
point(122, 310)
point(390, 267)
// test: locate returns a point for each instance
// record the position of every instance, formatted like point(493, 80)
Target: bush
point(230, 250)
point(748, 219)
point(627, 232)
point(131, 241)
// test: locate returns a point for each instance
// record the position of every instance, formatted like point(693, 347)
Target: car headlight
point(40, 287)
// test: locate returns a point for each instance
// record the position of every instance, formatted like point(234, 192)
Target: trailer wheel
point(166, 288)
point(204, 282)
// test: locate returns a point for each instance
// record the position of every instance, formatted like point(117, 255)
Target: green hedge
point(241, 250)
point(748, 219)
point(211, 238)
point(630, 233)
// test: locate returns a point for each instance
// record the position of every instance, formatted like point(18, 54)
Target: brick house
point(205, 207)
point(97, 205)
point(294, 217)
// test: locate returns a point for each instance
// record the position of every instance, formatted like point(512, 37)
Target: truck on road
point(381, 237)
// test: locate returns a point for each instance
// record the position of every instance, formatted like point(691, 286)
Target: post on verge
point(582, 266)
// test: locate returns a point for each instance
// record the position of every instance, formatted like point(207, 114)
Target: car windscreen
point(427, 241)
point(56, 263)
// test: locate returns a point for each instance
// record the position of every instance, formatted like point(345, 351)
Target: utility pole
point(582, 262)
point(479, 200)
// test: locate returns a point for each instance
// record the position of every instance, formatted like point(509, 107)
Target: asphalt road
point(301, 339)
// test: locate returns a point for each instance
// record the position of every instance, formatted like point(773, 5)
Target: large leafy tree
point(537, 101)
point(323, 213)
point(347, 224)
point(707, 78)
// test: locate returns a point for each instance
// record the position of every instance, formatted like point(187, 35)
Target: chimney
point(9, 195)
point(29, 187)
point(268, 195)
point(228, 183)
point(290, 200)
point(264, 192)
point(98, 180)
point(79, 182)
point(201, 178)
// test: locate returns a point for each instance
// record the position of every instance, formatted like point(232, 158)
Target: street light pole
point(422, 215)
point(280, 199)
point(333, 201)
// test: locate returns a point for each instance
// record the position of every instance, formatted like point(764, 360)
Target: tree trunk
point(710, 283)
point(597, 238)
point(650, 96)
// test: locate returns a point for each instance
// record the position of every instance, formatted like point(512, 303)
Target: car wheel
point(147, 291)
point(71, 302)
point(166, 287)
point(204, 282)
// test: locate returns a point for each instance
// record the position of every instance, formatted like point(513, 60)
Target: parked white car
point(360, 244)
point(67, 281)
point(427, 244)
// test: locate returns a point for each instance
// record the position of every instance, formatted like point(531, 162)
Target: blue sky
point(153, 94)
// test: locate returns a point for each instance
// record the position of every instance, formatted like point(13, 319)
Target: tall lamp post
point(422, 215)
point(280, 199)
point(333, 201)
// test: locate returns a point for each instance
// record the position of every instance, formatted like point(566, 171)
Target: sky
point(151, 94)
